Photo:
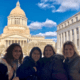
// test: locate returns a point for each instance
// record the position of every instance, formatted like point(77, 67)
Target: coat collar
point(73, 58)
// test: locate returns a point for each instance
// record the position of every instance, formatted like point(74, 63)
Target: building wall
point(69, 30)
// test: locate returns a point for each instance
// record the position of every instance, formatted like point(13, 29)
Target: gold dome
point(17, 10)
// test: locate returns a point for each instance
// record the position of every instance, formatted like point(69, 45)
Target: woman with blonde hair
point(72, 60)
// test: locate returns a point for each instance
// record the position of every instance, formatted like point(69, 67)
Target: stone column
point(26, 21)
point(17, 41)
point(71, 35)
point(67, 37)
point(23, 43)
point(10, 41)
point(75, 37)
point(58, 41)
point(10, 21)
point(14, 41)
point(22, 21)
point(61, 41)
point(63, 37)
point(20, 42)
point(13, 20)
point(6, 43)
point(79, 37)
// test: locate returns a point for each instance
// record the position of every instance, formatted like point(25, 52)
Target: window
point(60, 39)
point(65, 36)
point(15, 21)
point(19, 42)
point(77, 30)
point(72, 32)
point(68, 22)
point(9, 42)
point(77, 43)
point(72, 20)
point(72, 35)
point(76, 18)
point(69, 34)
point(22, 21)
point(65, 24)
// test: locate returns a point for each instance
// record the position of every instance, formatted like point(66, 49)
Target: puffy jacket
point(72, 67)
point(3, 72)
point(26, 70)
point(53, 69)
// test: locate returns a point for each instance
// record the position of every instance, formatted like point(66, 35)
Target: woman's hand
point(16, 78)
point(10, 74)
point(35, 69)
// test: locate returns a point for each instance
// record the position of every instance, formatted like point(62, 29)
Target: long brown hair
point(9, 57)
point(48, 45)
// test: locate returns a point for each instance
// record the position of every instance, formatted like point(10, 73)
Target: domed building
point(17, 31)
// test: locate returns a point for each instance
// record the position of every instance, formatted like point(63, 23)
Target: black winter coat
point(3, 72)
point(26, 70)
point(53, 69)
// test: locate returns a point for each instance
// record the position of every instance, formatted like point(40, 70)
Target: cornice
point(69, 25)
point(69, 18)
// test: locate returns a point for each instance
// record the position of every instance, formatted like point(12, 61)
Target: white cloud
point(35, 25)
point(47, 34)
point(38, 25)
point(44, 6)
point(49, 23)
point(64, 5)
point(54, 39)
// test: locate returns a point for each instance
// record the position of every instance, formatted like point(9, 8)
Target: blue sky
point(43, 15)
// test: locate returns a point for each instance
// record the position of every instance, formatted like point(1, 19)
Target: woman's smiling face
point(16, 52)
point(48, 52)
point(35, 55)
point(68, 51)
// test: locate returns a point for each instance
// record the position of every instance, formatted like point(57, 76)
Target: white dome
point(17, 10)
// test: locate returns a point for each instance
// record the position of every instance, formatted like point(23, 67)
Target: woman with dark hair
point(31, 64)
point(12, 59)
point(72, 60)
point(52, 68)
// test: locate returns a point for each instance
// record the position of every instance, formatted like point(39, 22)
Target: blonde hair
point(72, 44)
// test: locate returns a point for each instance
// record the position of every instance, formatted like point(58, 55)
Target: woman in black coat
point(52, 68)
point(31, 64)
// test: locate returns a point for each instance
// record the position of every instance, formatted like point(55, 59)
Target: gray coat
point(73, 67)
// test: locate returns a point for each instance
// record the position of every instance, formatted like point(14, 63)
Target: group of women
point(35, 67)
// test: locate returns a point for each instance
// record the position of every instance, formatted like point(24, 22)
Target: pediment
point(17, 36)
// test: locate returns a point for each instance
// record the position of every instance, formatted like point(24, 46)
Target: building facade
point(69, 30)
point(17, 31)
